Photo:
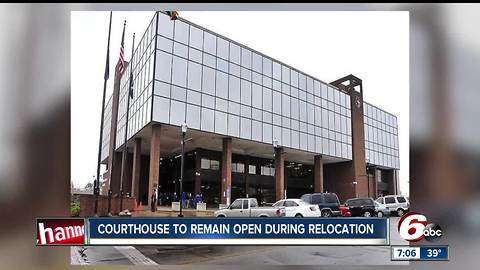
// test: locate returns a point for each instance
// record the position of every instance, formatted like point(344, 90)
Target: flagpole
point(129, 95)
point(96, 188)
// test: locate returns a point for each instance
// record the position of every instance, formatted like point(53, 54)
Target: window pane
point(194, 76)
point(193, 116)
point(267, 67)
point(196, 37)
point(246, 58)
point(208, 81)
point(165, 26)
point(220, 122)
point(207, 119)
point(179, 71)
point(246, 90)
point(193, 97)
point(209, 43)
point(256, 96)
point(163, 67)
point(177, 112)
point(267, 99)
point(257, 62)
point(181, 32)
point(222, 50)
point(234, 53)
point(256, 131)
point(245, 128)
point(222, 85)
point(234, 88)
point(233, 125)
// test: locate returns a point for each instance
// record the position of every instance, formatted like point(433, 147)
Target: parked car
point(298, 208)
point(397, 204)
point(248, 207)
point(328, 203)
point(381, 210)
point(361, 207)
point(345, 211)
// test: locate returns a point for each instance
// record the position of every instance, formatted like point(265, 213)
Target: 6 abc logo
point(413, 227)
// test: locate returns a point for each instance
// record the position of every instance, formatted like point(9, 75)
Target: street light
point(184, 132)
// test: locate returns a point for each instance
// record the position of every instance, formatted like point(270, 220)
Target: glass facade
point(184, 73)
point(381, 137)
point(107, 123)
point(217, 85)
point(142, 63)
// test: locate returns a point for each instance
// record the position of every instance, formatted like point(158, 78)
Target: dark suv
point(361, 207)
point(327, 202)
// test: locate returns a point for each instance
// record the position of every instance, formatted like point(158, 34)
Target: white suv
point(395, 204)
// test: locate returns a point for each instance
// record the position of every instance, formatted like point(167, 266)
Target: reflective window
point(180, 50)
point(246, 58)
point(256, 96)
point(234, 88)
point(164, 44)
point(285, 74)
point(193, 116)
point(267, 99)
point(181, 32)
point(277, 71)
point(194, 76)
point(179, 71)
point(257, 130)
point(222, 49)
point(234, 53)
point(246, 91)
point(257, 62)
point(220, 122)
point(207, 119)
point(245, 128)
point(222, 65)
point(210, 43)
point(233, 125)
point(222, 84)
point(196, 38)
point(208, 83)
point(177, 112)
point(165, 26)
point(193, 97)
point(195, 55)
point(163, 67)
point(267, 66)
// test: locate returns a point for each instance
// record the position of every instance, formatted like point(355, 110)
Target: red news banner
point(57, 231)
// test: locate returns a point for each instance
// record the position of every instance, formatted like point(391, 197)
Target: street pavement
point(240, 255)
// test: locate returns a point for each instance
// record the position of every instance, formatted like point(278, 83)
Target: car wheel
point(367, 214)
point(221, 216)
point(379, 214)
point(326, 213)
point(298, 215)
point(400, 212)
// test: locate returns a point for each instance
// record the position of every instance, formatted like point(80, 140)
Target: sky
point(327, 45)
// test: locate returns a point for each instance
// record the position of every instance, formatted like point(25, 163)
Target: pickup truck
point(248, 207)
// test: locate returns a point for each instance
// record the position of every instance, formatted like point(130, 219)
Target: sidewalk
point(166, 211)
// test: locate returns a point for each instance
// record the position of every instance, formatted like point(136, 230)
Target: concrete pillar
point(375, 183)
point(246, 176)
point(154, 173)
point(127, 177)
point(318, 174)
point(198, 170)
point(279, 173)
point(226, 170)
point(137, 157)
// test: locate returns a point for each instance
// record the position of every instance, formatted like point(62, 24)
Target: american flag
point(121, 60)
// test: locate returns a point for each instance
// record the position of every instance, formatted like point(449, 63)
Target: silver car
point(397, 204)
point(248, 207)
point(381, 210)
